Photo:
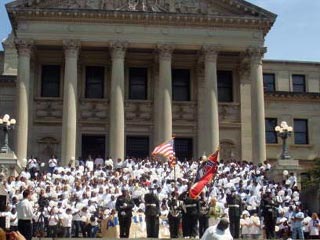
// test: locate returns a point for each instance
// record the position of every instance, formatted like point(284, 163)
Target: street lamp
point(284, 131)
point(7, 124)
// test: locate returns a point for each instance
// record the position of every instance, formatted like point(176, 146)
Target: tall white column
point(165, 93)
point(257, 109)
point(23, 91)
point(69, 119)
point(208, 131)
point(245, 101)
point(117, 141)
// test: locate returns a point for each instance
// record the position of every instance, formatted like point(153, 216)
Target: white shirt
point(66, 220)
point(53, 162)
point(24, 210)
point(212, 233)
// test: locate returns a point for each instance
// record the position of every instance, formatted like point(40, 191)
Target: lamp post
point(6, 124)
point(284, 131)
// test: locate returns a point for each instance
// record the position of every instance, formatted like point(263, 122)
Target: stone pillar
point(208, 119)
point(69, 119)
point(165, 94)
point(23, 95)
point(116, 137)
point(257, 108)
point(245, 101)
point(156, 104)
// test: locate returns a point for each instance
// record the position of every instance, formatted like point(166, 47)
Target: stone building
point(117, 78)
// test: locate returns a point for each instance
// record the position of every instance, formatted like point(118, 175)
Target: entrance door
point(93, 145)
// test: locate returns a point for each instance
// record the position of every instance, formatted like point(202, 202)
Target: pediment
point(233, 8)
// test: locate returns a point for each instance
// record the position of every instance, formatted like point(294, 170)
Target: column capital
point(24, 46)
point(71, 48)
point(256, 54)
point(165, 51)
point(118, 49)
point(244, 66)
point(210, 52)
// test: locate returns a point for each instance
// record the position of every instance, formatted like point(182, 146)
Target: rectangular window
point(50, 81)
point(183, 148)
point(301, 131)
point(298, 83)
point(94, 82)
point(269, 82)
point(271, 134)
point(225, 86)
point(180, 84)
point(138, 83)
point(137, 146)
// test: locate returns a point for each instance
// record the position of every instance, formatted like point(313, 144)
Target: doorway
point(93, 145)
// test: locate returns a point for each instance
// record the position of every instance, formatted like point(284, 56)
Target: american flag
point(165, 149)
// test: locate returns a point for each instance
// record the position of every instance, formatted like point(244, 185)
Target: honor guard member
point(204, 214)
point(152, 213)
point(174, 216)
point(124, 206)
point(269, 214)
point(234, 210)
point(190, 215)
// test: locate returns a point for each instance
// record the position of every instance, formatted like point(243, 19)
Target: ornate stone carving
point(165, 51)
point(93, 111)
point(210, 52)
point(229, 112)
point(118, 49)
point(71, 48)
point(24, 46)
point(138, 111)
point(244, 67)
point(256, 54)
point(184, 112)
point(48, 110)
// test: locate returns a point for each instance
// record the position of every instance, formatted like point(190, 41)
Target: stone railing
point(48, 110)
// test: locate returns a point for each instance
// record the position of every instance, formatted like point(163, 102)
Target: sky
point(294, 36)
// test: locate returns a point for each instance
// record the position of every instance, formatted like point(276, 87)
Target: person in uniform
point(234, 203)
point(174, 216)
point(152, 213)
point(124, 206)
point(204, 214)
point(269, 215)
point(190, 215)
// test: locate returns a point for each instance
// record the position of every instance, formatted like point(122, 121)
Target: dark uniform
point(235, 209)
point(269, 214)
point(152, 214)
point(174, 217)
point(190, 216)
point(203, 216)
point(124, 206)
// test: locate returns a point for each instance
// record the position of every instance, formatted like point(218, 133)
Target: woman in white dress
point(314, 226)
point(245, 224)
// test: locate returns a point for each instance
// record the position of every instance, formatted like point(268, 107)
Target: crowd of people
point(139, 198)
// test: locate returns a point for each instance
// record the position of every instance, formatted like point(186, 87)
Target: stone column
point(257, 108)
point(165, 94)
point(23, 95)
point(208, 132)
point(69, 119)
point(245, 101)
point(116, 137)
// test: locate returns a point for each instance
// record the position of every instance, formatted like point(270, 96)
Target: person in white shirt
point(218, 232)
point(53, 162)
point(25, 215)
point(66, 221)
point(13, 220)
point(245, 224)
point(314, 226)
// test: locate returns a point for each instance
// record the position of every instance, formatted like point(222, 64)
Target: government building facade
point(116, 78)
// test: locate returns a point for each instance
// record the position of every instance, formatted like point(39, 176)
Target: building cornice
point(291, 96)
point(128, 17)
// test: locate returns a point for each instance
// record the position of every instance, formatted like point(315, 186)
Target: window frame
point(146, 137)
point(146, 84)
point(187, 86)
point(230, 88)
point(273, 132)
point(190, 152)
point(103, 81)
point(60, 82)
point(274, 82)
point(306, 132)
point(295, 84)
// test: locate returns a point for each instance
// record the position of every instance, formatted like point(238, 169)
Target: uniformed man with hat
point(124, 205)
point(152, 213)
point(234, 210)
point(174, 216)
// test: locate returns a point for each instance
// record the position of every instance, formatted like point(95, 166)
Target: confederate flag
point(205, 174)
